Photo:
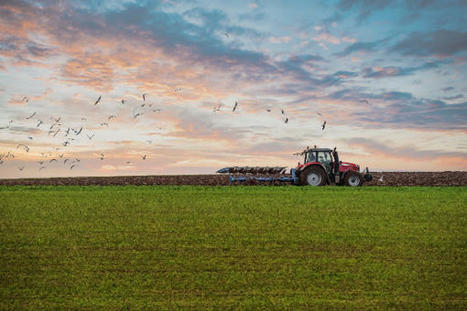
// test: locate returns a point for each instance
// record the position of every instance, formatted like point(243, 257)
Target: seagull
point(21, 168)
point(26, 148)
point(30, 137)
point(149, 142)
point(137, 115)
point(128, 162)
point(77, 160)
point(178, 89)
point(71, 167)
point(104, 124)
point(144, 157)
point(217, 107)
point(50, 161)
point(156, 110)
point(268, 110)
point(90, 137)
point(78, 131)
point(227, 35)
point(319, 113)
point(60, 155)
point(26, 99)
point(56, 132)
point(40, 162)
point(235, 106)
point(67, 131)
point(381, 178)
point(27, 118)
point(282, 111)
point(98, 100)
point(39, 124)
point(144, 96)
point(123, 102)
point(66, 160)
point(66, 143)
point(142, 105)
point(323, 126)
point(102, 156)
point(364, 101)
point(286, 120)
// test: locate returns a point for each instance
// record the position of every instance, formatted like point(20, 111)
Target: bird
point(90, 137)
point(21, 168)
point(39, 124)
point(217, 107)
point(286, 120)
point(41, 168)
point(26, 99)
point(128, 162)
point(102, 156)
point(67, 131)
point(66, 143)
point(323, 126)
point(123, 102)
point(26, 148)
point(268, 110)
point(40, 162)
point(149, 142)
point(98, 100)
point(66, 160)
point(84, 119)
point(144, 157)
point(144, 96)
point(60, 155)
point(156, 110)
point(52, 160)
point(319, 113)
point(137, 115)
point(104, 124)
point(235, 106)
point(227, 34)
point(30, 137)
point(381, 179)
point(142, 105)
point(27, 118)
point(111, 117)
point(56, 132)
point(71, 167)
point(364, 101)
point(178, 89)
point(77, 132)
point(282, 111)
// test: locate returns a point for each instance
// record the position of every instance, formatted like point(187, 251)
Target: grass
point(172, 247)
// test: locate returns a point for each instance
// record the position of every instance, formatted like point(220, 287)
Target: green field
point(170, 247)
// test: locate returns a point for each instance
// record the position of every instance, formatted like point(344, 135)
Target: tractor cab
point(328, 158)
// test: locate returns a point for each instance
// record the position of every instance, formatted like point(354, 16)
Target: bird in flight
point(137, 115)
point(178, 89)
point(282, 111)
point(52, 160)
point(144, 96)
point(39, 123)
point(90, 137)
point(364, 101)
point(77, 132)
point(381, 179)
point(98, 100)
point(71, 167)
point(27, 118)
point(144, 157)
point(323, 126)
point(104, 124)
point(30, 137)
point(111, 117)
point(26, 148)
point(235, 106)
point(123, 102)
point(227, 35)
point(102, 156)
point(21, 168)
point(286, 120)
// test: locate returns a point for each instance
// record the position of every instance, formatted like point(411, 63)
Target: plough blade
point(257, 170)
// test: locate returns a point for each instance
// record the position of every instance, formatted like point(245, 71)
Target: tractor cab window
point(310, 157)
point(324, 157)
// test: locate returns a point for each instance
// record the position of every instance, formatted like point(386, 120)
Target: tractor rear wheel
point(353, 179)
point(313, 176)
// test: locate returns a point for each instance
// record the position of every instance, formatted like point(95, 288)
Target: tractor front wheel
point(313, 176)
point(353, 179)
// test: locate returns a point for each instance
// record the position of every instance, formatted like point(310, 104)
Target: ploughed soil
point(388, 179)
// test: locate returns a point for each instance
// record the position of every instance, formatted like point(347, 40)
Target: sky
point(388, 77)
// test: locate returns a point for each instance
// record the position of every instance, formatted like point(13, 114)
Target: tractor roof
point(319, 149)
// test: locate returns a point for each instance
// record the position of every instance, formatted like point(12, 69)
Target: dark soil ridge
point(448, 178)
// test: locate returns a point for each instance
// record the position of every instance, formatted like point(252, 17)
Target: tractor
point(321, 166)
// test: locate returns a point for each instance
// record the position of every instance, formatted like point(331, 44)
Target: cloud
point(435, 43)
point(392, 71)
point(362, 47)
point(284, 39)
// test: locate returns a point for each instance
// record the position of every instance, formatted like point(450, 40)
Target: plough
point(321, 166)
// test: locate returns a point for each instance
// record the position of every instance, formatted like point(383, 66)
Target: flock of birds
point(57, 128)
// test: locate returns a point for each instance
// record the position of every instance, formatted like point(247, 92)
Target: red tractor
point(321, 166)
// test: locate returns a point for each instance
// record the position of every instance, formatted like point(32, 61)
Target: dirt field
point(389, 179)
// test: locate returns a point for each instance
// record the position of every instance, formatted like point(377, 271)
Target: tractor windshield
point(325, 159)
point(310, 156)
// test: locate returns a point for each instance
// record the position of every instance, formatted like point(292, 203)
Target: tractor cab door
point(326, 160)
